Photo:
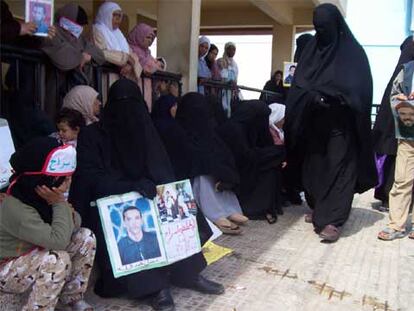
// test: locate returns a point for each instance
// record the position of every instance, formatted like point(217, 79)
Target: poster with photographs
point(40, 12)
point(288, 73)
point(6, 150)
point(403, 113)
point(143, 234)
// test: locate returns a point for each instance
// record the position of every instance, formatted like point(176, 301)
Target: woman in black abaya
point(385, 143)
point(122, 153)
point(205, 159)
point(328, 109)
point(257, 158)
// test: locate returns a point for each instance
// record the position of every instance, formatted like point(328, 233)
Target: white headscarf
point(103, 22)
point(277, 114)
point(204, 39)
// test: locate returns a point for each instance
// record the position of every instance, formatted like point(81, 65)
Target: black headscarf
point(31, 158)
point(335, 66)
point(301, 43)
point(137, 150)
point(173, 136)
point(209, 154)
point(384, 128)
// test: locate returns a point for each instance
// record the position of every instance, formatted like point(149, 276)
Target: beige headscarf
point(81, 98)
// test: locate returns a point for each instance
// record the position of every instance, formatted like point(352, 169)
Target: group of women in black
point(327, 127)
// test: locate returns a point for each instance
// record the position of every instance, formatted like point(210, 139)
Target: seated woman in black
point(257, 158)
point(121, 153)
point(198, 153)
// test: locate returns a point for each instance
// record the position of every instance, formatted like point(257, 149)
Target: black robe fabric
point(247, 135)
point(328, 114)
point(208, 153)
point(173, 136)
point(123, 153)
point(385, 142)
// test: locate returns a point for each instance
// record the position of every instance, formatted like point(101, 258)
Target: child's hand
point(51, 196)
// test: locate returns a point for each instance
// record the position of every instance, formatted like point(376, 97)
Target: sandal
point(231, 230)
point(308, 218)
point(330, 233)
point(227, 227)
point(271, 219)
point(389, 234)
point(238, 219)
point(411, 234)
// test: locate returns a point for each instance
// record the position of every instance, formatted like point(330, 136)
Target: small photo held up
point(288, 73)
point(39, 12)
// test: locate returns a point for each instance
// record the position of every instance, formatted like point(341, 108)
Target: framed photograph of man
point(404, 120)
point(288, 73)
point(40, 12)
point(132, 233)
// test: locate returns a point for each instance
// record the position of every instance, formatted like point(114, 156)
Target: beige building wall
point(282, 45)
point(178, 29)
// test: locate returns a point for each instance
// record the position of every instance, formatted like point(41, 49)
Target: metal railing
point(24, 60)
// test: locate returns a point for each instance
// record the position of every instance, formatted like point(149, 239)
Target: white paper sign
point(6, 150)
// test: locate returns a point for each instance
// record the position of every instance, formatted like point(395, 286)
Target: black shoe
point(202, 285)
point(163, 301)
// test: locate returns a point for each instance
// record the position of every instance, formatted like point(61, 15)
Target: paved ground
point(285, 267)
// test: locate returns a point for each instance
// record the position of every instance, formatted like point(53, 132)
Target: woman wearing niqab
point(328, 110)
point(122, 153)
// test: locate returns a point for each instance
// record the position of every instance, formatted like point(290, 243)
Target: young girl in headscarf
point(108, 37)
point(43, 248)
point(140, 39)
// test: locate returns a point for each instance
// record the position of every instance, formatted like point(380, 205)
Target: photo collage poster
point(288, 73)
point(41, 13)
point(143, 234)
point(403, 113)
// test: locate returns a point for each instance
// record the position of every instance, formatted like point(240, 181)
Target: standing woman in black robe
point(329, 107)
point(122, 153)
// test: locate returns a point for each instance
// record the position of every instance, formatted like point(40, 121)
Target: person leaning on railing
point(109, 38)
point(72, 53)
point(140, 39)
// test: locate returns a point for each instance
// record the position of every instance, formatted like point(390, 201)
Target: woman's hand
point(126, 70)
point(27, 28)
point(51, 32)
point(86, 58)
point(402, 96)
point(131, 60)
